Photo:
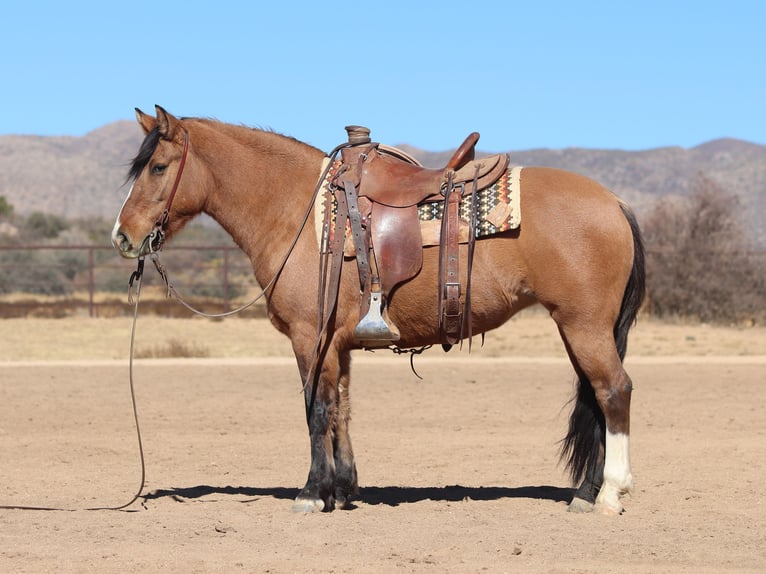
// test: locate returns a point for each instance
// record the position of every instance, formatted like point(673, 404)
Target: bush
point(700, 263)
point(6, 208)
point(37, 272)
point(44, 225)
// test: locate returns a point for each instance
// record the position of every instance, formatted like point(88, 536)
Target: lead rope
point(137, 278)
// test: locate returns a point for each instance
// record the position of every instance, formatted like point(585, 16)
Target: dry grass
point(528, 335)
point(173, 348)
point(154, 301)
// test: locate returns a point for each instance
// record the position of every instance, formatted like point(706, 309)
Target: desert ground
point(459, 471)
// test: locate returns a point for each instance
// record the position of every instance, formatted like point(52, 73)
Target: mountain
point(85, 176)
point(69, 176)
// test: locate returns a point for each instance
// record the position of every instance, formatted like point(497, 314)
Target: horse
point(578, 252)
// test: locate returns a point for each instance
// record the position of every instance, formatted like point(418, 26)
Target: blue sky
point(552, 74)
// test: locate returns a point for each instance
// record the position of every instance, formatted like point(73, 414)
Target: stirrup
point(373, 330)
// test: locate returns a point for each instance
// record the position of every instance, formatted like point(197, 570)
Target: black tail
point(586, 435)
point(634, 290)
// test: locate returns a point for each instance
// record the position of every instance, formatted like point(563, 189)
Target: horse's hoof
point(345, 503)
point(345, 496)
point(580, 506)
point(307, 505)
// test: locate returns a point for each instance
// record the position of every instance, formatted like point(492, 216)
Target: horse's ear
point(146, 122)
point(166, 123)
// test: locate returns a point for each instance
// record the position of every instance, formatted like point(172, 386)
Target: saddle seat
point(387, 180)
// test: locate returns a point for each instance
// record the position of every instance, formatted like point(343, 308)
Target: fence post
point(226, 279)
point(91, 281)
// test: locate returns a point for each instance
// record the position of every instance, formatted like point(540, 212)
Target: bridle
point(156, 238)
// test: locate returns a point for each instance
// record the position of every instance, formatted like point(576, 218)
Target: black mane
point(144, 154)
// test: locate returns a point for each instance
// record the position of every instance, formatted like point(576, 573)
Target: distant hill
point(84, 176)
point(69, 176)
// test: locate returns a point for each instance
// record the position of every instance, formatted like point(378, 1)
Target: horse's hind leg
point(607, 402)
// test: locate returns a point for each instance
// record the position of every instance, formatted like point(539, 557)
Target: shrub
point(6, 208)
point(700, 263)
point(44, 225)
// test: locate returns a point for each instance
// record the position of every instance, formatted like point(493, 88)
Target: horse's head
point(165, 191)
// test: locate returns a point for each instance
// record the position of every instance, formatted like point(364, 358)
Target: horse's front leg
point(333, 473)
point(346, 484)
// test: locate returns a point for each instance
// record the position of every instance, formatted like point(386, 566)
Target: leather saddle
point(386, 188)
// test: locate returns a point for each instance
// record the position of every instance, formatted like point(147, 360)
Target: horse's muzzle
point(129, 250)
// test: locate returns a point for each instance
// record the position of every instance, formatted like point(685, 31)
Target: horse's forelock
point(144, 154)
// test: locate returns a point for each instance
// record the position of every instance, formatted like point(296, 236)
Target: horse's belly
point(496, 292)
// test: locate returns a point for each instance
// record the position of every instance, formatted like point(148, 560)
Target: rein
point(155, 240)
point(157, 236)
point(135, 277)
point(159, 233)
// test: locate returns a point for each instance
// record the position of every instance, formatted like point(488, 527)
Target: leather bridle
point(157, 237)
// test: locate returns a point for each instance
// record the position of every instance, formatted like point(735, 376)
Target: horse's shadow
point(386, 495)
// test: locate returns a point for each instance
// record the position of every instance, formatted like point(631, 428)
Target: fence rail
point(78, 276)
point(218, 274)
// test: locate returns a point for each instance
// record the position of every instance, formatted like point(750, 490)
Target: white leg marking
point(618, 479)
point(307, 506)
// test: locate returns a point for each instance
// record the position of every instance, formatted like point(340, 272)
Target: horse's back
point(572, 199)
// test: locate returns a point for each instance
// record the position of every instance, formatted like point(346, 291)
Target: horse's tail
point(634, 290)
point(582, 444)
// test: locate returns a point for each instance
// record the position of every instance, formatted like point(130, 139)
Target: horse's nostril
point(120, 241)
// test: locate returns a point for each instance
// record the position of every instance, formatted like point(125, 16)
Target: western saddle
point(378, 190)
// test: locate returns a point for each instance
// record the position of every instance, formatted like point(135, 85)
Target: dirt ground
point(459, 471)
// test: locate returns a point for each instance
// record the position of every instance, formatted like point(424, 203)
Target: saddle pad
point(498, 209)
point(498, 206)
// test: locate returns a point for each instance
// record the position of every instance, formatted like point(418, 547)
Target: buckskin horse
point(578, 252)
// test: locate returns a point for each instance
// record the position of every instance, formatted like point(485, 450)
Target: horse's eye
point(158, 169)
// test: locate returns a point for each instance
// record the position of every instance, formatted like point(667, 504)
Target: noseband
point(157, 237)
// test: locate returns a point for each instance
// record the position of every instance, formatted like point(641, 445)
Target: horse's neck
point(263, 189)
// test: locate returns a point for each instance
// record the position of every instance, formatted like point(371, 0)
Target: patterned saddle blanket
point(498, 207)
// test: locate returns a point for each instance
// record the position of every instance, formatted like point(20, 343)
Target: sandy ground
point(459, 471)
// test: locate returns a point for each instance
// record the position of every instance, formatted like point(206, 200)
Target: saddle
point(380, 190)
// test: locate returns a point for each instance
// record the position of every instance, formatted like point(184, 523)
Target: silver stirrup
point(373, 330)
